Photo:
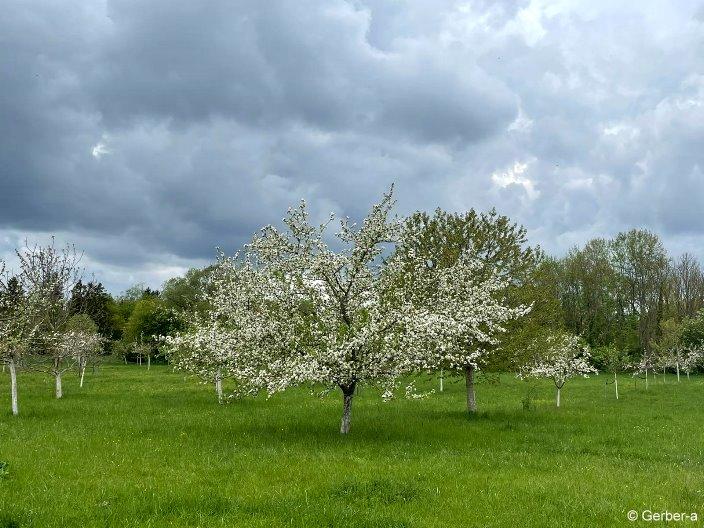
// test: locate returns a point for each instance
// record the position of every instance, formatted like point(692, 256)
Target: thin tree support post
point(57, 376)
point(83, 370)
point(616, 384)
point(347, 394)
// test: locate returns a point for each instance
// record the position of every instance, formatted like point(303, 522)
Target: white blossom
point(692, 360)
point(564, 356)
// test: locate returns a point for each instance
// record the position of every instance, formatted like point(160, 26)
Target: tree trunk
point(469, 382)
point(83, 371)
point(13, 387)
point(646, 379)
point(218, 385)
point(59, 392)
point(687, 375)
point(149, 361)
point(558, 396)
point(347, 394)
point(442, 379)
point(125, 358)
point(678, 372)
point(616, 384)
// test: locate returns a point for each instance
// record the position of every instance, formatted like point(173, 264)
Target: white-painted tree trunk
point(347, 394)
point(218, 385)
point(678, 372)
point(616, 384)
point(687, 375)
point(442, 379)
point(646, 379)
point(149, 361)
point(83, 371)
point(13, 387)
point(59, 391)
point(558, 396)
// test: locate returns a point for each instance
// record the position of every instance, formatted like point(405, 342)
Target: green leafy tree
point(148, 321)
point(669, 348)
point(491, 239)
point(588, 283)
point(692, 333)
point(187, 294)
point(92, 299)
point(641, 263)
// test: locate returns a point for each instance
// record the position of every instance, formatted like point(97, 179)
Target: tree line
point(374, 303)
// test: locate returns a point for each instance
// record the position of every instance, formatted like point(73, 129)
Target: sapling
point(678, 357)
point(564, 356)
point(646, 364)
point(207, 350)
point(19, 323)
point(614, 360)
point(231, 337)
point(82, 340)
point(49, 275)
point(142, 350)
point(691, 360)
point(669, 348)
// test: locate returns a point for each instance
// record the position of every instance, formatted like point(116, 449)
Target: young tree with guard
point(49, 275)
point(82, 340)
point(565, 357)
point(614, 360)
point(19, 323)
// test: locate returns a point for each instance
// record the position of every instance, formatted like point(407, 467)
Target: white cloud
point(99, 150)
point(515, 175)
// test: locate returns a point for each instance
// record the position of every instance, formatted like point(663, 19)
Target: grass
point(151, 449)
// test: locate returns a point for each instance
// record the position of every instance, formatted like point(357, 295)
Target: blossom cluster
point(562, 357)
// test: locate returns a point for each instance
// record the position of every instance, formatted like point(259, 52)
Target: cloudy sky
point(148, 133)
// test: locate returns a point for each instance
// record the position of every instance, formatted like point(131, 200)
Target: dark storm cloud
point(149, 133)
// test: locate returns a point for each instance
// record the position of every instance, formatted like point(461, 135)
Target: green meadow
point(138, 448)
